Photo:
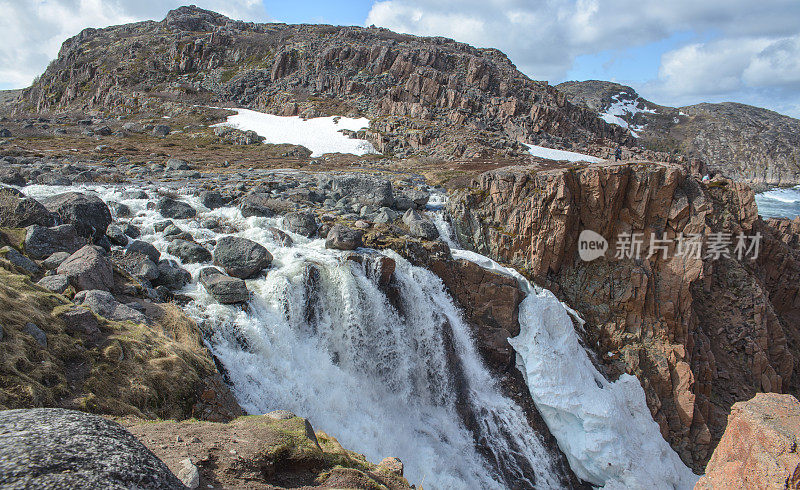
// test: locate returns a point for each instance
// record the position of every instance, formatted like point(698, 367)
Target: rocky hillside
point(699, 333)
point(425, 95)
point(743, 142)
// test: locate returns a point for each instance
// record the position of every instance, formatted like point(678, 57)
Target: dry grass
point(148, 372)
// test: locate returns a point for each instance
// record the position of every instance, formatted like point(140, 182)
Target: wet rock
point(225, 289)
point(304, 224)
point(57, 284)
point(419, 225)
point(41, 242)
point(281, 237)
point(134, 194)
point(241, 257)
point(264, 205)
point(212, 199)
point(87, 212)
point(53, 261)
point(19, 260)
point(146, 269)
point(160, 226)
point(56, 448)
point(131, 230)
point(341, 237)
point(88, 269)
point(172, 208)
point(143, 248)
point(365, 189)
point(119, 210)
point(38, 335)
point(116, 235)
point(189, 252)
point(106, 305)
point(172, 276)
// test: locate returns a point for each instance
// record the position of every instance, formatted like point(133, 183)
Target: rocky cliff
point(427, 95)
point(700, 333)
point(743, 142)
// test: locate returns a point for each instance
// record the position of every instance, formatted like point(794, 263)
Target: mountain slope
point(423, 95)
point(747, 143)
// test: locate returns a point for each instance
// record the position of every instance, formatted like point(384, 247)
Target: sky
point(673, 52)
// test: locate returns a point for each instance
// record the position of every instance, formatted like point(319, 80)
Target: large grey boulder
point(105, 304)
point(88, 269)
point(301, 223)
point(171, 275)
point(419, 225)
point(19, 260)
point(189, 252)
point(52, 262)
point(66, 449)
point(87, 212)
point(19, 212)
point(212, 199)
point(341, 237)
point(362, 188)
point(42, 242)
point(177, 164)
point(241, 257)
point(141, 247)
point(225, 289)
point(116, 235)
point(57, 284)
point(172, 208)
point(264, 205)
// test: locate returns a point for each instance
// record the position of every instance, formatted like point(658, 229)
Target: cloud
point(754, 45)
point(31, 31)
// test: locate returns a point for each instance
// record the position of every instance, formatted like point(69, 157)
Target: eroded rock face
point(56, 448)
point(759, 447)
point(700, 334)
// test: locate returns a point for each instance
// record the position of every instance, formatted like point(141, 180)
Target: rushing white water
point(605, 429)
point(387, 378)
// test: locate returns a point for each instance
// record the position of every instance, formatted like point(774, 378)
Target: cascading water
point(389, 378)
point(605, 429)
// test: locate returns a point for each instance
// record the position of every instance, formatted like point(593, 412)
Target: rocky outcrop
point(276, 450)
point(55, 448)
point(742, 142)
point(759, 447)
point(699, 332)
point(428, 95)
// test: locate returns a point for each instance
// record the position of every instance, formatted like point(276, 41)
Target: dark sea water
point(779, 203)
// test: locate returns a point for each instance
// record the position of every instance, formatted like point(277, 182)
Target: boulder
point(42, 242)
point(56, 259)
point(116, 235)
point(146, 269)
point(172, 208)
point(301, 223)
point(87, 212)
point(19, 260)
point(241, 257)
point(80, 320)
point(172, 276)
point(189, 252)
point(212, 199)
point(264, 205)
point(341, 237)
point(225, 289)
point(106, 305)
point(363, 188)
point(20, 212)
point(40, 337)
point(119, 210)
point(161, 130)
point(57, 284)
point(57, 448)
point(759, 446)
point(88, 269)
point(281, 237)
point(143, 248)
point(174, 164)
point(419, 225)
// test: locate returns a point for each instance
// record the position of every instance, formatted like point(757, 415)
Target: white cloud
point(756, 44)
point(31, 31)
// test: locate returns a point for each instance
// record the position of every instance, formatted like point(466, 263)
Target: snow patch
point(553, 154)
point(621, 108)
point(320, 134)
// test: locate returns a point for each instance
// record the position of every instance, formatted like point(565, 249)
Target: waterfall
point(604, 428)
point(388, 373)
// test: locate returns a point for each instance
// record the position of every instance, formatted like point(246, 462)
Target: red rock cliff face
point(700, 334)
